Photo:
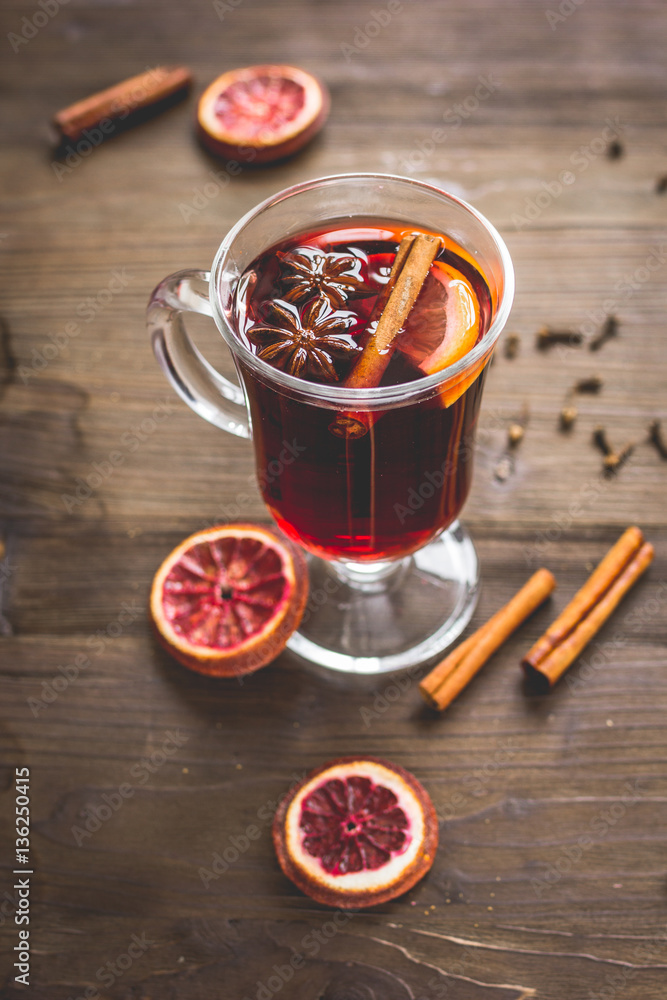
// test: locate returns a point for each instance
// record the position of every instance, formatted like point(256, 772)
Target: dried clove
point(615, 150)
point(568, 415)
point(591, 384)
point(514, 435)
point(656, 438)
point(503, 469)
point(661, 184)
point(612, 463)
point(601, 442)
point(515, 432)
point(512, 343)
point(609, 329)
point(546, 337)
point(612, 460)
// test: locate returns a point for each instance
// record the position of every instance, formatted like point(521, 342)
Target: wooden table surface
point(512, 106)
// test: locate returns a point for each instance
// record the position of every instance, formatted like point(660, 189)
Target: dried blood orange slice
point(261, 113)
point(443, 324)
point(356, 832)
point(227, 599)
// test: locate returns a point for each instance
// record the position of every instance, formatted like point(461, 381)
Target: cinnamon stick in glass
point(371, 364)
point(491, 637)
point(409, 271)
point(399, 260)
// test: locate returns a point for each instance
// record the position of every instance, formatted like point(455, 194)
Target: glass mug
point(393, 574)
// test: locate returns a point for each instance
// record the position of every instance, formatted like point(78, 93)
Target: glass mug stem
point(393, 574)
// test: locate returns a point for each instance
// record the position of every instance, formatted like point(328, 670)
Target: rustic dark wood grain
point(513, 907)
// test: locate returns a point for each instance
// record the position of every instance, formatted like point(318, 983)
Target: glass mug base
point(378, 618)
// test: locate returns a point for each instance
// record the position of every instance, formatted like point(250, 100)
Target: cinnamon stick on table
point(619, 574)
point(429, 684)
point(411, 266)
point(455, 672)
point(116, 103)
point(585, 598)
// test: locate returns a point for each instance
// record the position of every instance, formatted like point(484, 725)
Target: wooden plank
point(517, 904)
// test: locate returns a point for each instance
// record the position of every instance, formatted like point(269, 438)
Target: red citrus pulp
point(356, 832)
point(261, 113)
point(226, 600)
point(443, 324)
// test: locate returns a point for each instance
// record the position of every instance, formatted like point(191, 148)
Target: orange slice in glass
point(443, 324)
point(442, 327)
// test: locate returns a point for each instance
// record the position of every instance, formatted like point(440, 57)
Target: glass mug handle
point(205, 390)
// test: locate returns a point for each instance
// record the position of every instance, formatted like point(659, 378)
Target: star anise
point(331, 276)
point(304, 344)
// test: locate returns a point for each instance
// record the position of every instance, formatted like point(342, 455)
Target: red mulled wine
point(307, 306)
